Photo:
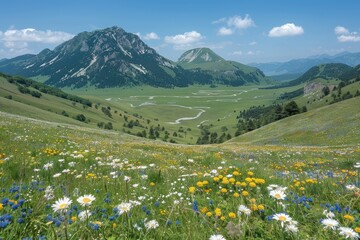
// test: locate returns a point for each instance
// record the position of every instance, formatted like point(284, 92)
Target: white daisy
point(244, 209)
point(57, 175)
point(330, 223)
point(328, 214)
point(124, 207)
point(62, 204)
point(292, 228)
point(277, 194)
point(282, 218)
point(217, 237)
point(48, 166)
point(348, 233)
point(351, 187)
point(86, 200)
point(84, 215)
point(152, 224)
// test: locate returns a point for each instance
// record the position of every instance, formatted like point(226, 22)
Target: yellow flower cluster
point(51, 152)
point(349, 217)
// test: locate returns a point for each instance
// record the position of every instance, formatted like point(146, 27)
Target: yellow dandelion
point(217, 212)
point(348, 217)
point(204, 210)
point(225, 181)
point(223, 190)
point(232, 215)
point(236, 195)
point(254, 207)
point(199, 184)
point(192, 189)
point(245, 193)
point(252, 184)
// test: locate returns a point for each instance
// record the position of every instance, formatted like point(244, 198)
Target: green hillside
point(223, 71)
point(336, 124)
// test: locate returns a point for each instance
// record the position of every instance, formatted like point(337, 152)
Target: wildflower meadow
point(59, 182)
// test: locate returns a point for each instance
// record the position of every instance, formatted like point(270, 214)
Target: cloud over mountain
point(288, 29)
point(344, 35)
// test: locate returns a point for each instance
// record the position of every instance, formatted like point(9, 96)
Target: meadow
point(63, 181)
point(199, 105)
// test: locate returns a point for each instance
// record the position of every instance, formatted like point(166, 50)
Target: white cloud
point(221, 20)
point(238, 53)
point(186, 38)
point(252, 43)
point(33, 35)
point(341, 30)
point(240, 23)
point(151, 36)
point(354, 37)
point(288, 29)
point(21, 41)
point(344, 35)
point(16, 45)
point(225, 31)
point(234, 23)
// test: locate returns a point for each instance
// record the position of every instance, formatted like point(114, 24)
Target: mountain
point(330, 71)
point(112, 57)
point(223, 71)
point(303, 64)
point(103, 58)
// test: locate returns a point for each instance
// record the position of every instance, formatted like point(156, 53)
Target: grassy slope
point(335, 124)
point(50, 107)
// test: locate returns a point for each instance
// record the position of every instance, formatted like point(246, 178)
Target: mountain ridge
point(112, 57)
point(301, 65)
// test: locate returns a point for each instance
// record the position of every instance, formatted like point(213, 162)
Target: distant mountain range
point(297, 66)
point(329, 71)
point(112, 57)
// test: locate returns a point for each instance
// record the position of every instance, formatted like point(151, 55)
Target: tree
point(326, 90)
point(291, 109)
point(304, 109)
point(108, 126)
point(152, 133)
point(80, 117)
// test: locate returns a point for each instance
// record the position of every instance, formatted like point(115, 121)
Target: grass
point(221, 104)
point(174, 191)
point(334, 124)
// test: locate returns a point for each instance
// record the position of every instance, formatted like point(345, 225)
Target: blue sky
point(241, 30)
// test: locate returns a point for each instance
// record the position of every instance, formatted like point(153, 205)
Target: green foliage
point(23, 85)
point(106, 111)
point(80, 117)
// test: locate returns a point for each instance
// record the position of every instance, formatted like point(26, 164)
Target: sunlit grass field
point(65, 182)
point(215, 107)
